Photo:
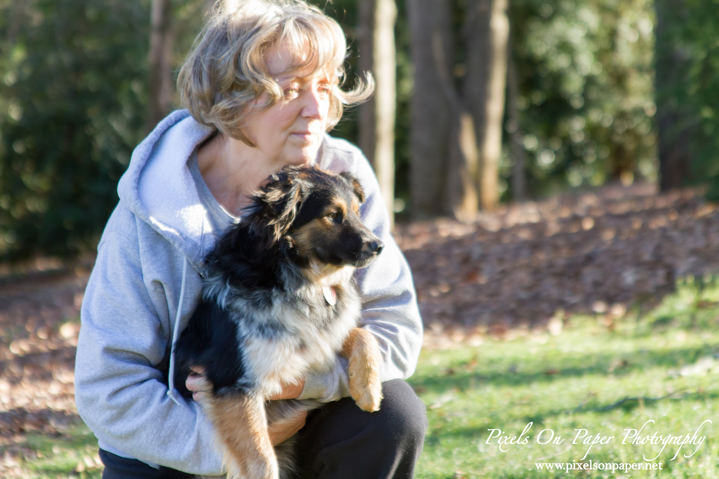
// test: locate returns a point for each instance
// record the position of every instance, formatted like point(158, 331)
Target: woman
point(262, 89)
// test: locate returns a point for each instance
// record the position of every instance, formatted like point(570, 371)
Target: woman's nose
point(314, 104)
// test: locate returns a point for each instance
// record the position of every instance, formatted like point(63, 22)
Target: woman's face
point(290, 131)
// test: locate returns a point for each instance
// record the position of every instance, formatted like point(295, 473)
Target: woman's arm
point(278, 432)
point(390, 308)
point(119, 389)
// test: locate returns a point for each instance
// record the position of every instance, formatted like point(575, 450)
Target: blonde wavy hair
point(226, 69)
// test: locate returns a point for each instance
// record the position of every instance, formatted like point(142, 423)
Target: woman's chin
point(302, 157)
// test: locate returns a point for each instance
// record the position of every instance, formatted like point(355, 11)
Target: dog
point(278, 302)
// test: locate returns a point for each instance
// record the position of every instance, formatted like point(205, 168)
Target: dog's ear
point(275, 207)
point(288, 249)
point(354, 183)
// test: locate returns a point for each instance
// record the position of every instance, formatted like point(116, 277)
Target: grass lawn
point(602, 378)
point(658, 366)
point(73, 454)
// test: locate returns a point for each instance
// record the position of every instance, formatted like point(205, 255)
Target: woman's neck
point(231, 171)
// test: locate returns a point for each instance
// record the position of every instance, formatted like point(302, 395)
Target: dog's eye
point(335, 216)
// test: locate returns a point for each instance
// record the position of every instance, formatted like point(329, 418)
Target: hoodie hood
point(169, 203)
point(159, 189)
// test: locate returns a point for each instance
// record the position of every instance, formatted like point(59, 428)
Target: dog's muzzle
point(370, 250)
point(373, 248)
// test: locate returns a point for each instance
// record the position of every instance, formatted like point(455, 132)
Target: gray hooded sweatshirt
point(146, 284)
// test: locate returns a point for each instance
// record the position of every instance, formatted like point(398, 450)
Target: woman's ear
point(354, 183)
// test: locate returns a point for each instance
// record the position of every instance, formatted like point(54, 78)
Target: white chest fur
point(313, 331)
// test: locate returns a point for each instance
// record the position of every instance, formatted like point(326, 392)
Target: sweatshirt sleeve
point(389, 299)
point(119, 391)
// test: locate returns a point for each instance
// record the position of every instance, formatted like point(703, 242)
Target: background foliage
point(73, 91)
point(71, 110)
point(693, 35)
point(586, 90)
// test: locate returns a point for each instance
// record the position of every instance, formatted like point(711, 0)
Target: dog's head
point(312, 216)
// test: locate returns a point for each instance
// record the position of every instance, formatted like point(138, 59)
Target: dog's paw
point(367, 396)
point(362, 352)
point(365, 386)
point(253, 468)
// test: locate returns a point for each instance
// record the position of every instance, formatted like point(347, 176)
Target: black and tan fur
point(265, 320)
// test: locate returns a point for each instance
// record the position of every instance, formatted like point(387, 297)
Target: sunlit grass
point(72, 453)
point(658, 366)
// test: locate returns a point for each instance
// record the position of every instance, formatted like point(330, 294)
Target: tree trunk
point(486, 31)
point(430, 122)
point(675, 125)
point(160, 80)
point(460, 193)
point(377, 116)
point(519, 175)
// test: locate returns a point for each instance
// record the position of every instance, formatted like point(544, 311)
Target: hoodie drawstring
point(171, 391)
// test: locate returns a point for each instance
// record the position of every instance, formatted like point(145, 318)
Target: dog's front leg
point(362, 351)
point(241, 426)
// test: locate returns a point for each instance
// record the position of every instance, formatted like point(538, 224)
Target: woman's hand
point(198, 384)
point(289, 391)
point(278, 432)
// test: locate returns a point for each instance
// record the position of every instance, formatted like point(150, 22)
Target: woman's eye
point(291, 92)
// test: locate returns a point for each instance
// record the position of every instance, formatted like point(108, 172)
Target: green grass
point(585, 378)
point(71, 454)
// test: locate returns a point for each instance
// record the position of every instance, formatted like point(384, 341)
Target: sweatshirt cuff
point(327, 386)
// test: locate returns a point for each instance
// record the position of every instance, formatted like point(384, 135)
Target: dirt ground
point(599, 253)
point(39, 325)
point(519, 268)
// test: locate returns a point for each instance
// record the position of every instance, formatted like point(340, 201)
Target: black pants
point(339, 441)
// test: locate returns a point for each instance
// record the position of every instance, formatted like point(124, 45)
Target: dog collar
point(330, 295)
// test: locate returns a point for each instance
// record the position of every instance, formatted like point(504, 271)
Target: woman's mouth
point(307, 136)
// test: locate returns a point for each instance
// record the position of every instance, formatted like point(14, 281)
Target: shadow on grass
point(477, 431)
point(603, 364)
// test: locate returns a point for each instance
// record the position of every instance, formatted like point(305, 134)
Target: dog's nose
point(376, 247)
